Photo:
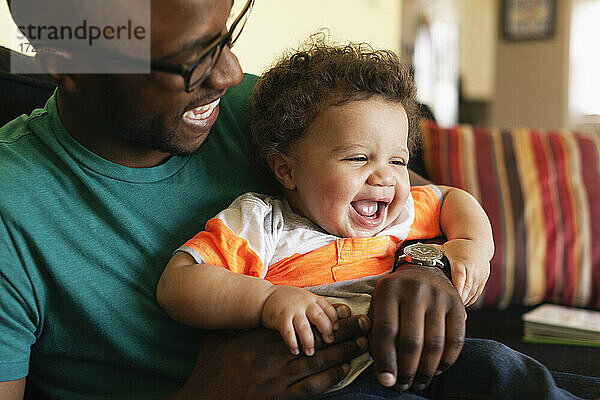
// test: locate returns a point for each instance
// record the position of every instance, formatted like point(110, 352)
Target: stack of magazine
point(551, 323)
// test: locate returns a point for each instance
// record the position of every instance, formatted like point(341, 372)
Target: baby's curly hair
point(290, 95)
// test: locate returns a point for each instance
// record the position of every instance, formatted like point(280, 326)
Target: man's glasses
point(196, 72)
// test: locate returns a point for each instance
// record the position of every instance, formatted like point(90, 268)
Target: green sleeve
point(18, 313)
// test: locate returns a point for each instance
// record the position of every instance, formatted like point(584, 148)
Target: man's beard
point(141, 133)
point(155, 133)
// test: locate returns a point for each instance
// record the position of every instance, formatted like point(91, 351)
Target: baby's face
point(349, 170)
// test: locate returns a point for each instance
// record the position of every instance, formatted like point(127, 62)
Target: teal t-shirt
point(83, 242)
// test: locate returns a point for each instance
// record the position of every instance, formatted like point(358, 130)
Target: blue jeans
point(484, 370)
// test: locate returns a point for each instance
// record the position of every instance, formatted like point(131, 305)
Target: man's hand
point(418, 326)
point(291, 310)
point(257, 364)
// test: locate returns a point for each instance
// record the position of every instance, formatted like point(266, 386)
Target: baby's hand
point(470, 268)
point(290, 310)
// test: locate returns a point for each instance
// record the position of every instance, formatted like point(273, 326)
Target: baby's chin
point(350, 229)
point(362, 232)
point(357, 233)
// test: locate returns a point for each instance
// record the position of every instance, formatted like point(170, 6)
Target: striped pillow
point(541, 191)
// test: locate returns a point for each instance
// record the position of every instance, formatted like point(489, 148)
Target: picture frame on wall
point(528, 19)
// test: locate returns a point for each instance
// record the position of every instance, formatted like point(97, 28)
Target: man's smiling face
point(154, 111)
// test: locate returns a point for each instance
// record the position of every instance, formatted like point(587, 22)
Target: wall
point(478, 20)
point(276, 25)
point(531, 86)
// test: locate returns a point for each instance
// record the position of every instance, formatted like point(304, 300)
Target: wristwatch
point(425, 255)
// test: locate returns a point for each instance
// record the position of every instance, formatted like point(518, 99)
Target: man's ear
point(282, 167)
point(54, 64)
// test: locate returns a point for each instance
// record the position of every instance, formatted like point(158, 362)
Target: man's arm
point(256, 364)
point(418, 326)
point(17, 321)
point(12, 390)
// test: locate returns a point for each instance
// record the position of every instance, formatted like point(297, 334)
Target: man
point(90, 191)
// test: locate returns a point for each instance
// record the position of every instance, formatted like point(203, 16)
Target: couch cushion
point(541, 191)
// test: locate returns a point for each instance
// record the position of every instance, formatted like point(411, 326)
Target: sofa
point(512, 185)
point(541, 191)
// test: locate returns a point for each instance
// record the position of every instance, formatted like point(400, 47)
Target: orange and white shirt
point(261, 236)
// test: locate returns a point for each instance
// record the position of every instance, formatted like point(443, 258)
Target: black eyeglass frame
point(186, 70)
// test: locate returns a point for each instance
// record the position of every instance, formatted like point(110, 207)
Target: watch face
point(423, 252)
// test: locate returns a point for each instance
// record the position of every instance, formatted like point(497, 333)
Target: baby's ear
point(282, 168)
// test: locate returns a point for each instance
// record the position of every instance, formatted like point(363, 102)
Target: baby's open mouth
point(369, 208)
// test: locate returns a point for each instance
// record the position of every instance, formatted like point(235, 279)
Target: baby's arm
point(470, 244)
point(208, 296)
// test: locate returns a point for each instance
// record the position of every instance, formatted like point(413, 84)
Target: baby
point(335, 124)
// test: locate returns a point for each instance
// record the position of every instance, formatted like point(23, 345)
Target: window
point(584, 63)
point(435, 61)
